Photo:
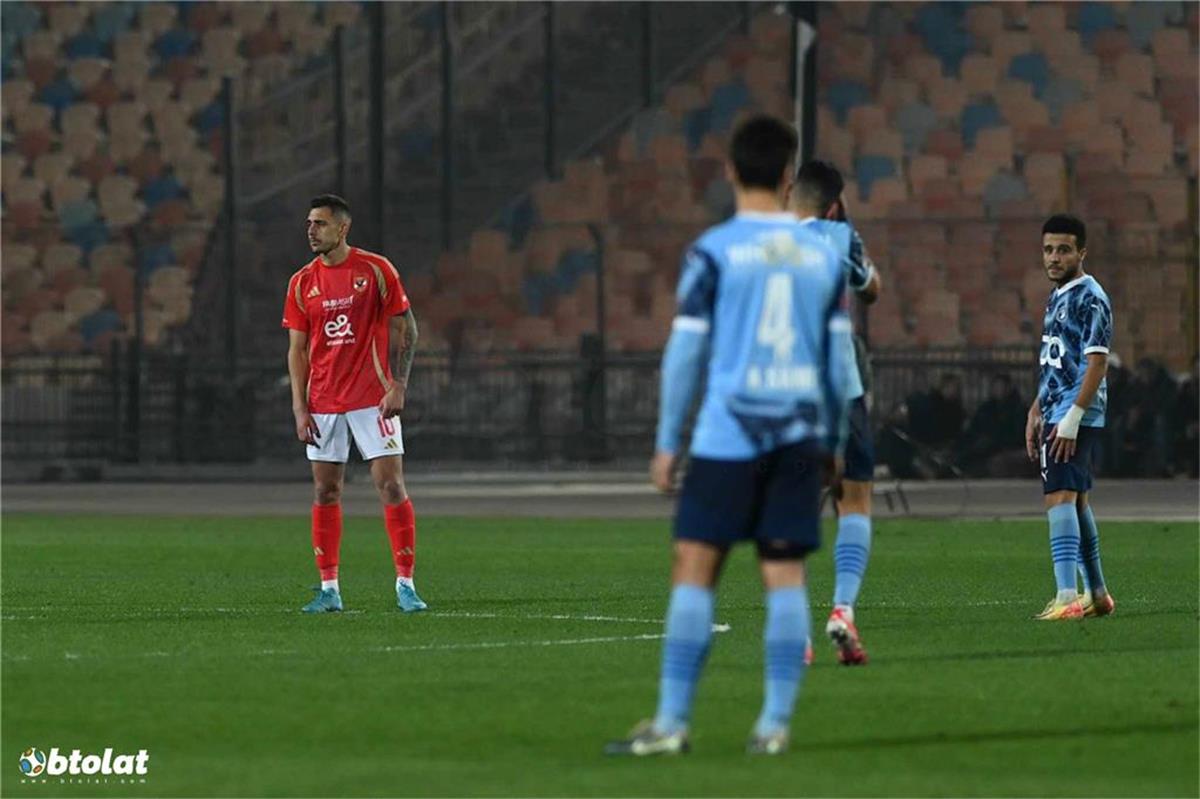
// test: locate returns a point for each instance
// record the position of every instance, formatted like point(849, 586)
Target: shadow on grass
point(998, 736)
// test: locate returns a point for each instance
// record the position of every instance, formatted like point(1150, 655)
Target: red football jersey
point(345, 309)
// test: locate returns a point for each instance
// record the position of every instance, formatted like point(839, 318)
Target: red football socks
point(327, 538)
point(402, 530)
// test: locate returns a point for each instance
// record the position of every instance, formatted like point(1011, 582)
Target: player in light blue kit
point(1065, 419)
point(761, 310)
point(816, 198)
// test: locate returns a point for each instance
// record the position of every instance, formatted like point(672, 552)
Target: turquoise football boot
point(407, 599)
point(326, 601)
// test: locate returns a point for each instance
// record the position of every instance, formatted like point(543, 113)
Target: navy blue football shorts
point(860, 450)
point(773, 500)
point(1075, 474)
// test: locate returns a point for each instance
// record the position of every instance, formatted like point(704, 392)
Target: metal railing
point(488, 407)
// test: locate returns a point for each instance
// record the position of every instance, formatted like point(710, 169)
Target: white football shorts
point(374, 436)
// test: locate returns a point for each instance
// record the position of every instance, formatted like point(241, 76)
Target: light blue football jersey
point(846, 242)
point(1078, 322)
point(771, 293)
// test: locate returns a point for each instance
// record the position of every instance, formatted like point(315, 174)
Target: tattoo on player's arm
point(407, 345)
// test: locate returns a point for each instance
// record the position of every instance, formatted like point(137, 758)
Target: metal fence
point(435, 138)
point(485, 407)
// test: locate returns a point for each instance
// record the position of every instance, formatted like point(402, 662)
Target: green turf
point(179, 635)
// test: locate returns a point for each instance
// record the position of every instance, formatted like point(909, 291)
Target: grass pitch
point(182, 636)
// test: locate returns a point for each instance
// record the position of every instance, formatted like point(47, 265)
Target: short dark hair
point(1070, 225)
point(333, 201)
point(820, 184)
point(760, 151)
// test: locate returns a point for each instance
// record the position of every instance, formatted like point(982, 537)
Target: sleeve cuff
point(690, 324)
point(866, 281)
point(1090, 350)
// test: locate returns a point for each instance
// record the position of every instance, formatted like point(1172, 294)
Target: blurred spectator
point(937, 418)
point(1187, 449)
point(894, 445)
point(1116, 417)
point(1142, 449)
point(995, 428)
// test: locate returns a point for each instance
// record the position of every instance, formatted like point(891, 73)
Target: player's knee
point(391, 490)
point(1060, 498)
point(856, 498)
point(327, 493)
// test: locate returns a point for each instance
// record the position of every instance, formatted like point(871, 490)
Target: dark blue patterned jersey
point(1078, 322)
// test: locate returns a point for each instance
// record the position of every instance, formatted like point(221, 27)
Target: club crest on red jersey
point(360, 282)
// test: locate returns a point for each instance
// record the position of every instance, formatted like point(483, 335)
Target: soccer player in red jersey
point(340, 311)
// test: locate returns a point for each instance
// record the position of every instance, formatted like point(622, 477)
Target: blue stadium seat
point(174, 43)
point(161, 190)
point(94, 324)
point(78, 214)
point(88, 237)
point(1143, 20)
point(727, 101)
point(915, 121)
point(536, 290)
point(572, 265)
point(940, 26)
point(113, 19)
point(1003, 187)
point(1093, 18)
point(59, 94)
point(1031, 68)
point(696, 123)
point(1059, 94)
point(86, 44)
point(844, 95)
point(870, 168)
point(19, 19)
point(976, 117)
point(210, 118)
point(154, 256)
point(518, 219)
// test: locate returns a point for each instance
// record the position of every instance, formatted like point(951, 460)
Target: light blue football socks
point(688, 633)
point(785, 638)
point(1089, 551)
point(1064, 548)
point(850, 557)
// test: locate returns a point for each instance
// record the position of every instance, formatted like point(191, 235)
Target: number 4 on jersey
point(775, 325)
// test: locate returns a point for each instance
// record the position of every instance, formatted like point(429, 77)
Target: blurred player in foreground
point(1065, 419)
point(340, 312)
point(816, 198)
point(760, 307)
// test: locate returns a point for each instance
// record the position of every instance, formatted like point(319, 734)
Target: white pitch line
point(547, 617)
point(386, 650)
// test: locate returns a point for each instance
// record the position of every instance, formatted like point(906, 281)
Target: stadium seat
point(916, 121)
point(1094, 17)
point(841, 97)
point(976, 117)
point(1030, 68)
point(984, 21)
point(1136, 71)
point(870, 168)
point(70, 190)
point(1009, 44)
point(1145, 20)
point(52, 168)
point(947, 97)
point(979, 73)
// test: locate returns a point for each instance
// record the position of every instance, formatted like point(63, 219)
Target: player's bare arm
point(1033, 429)
point(1062, 445)
point(404, 333)
point(306, 427)
point(870, 292)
